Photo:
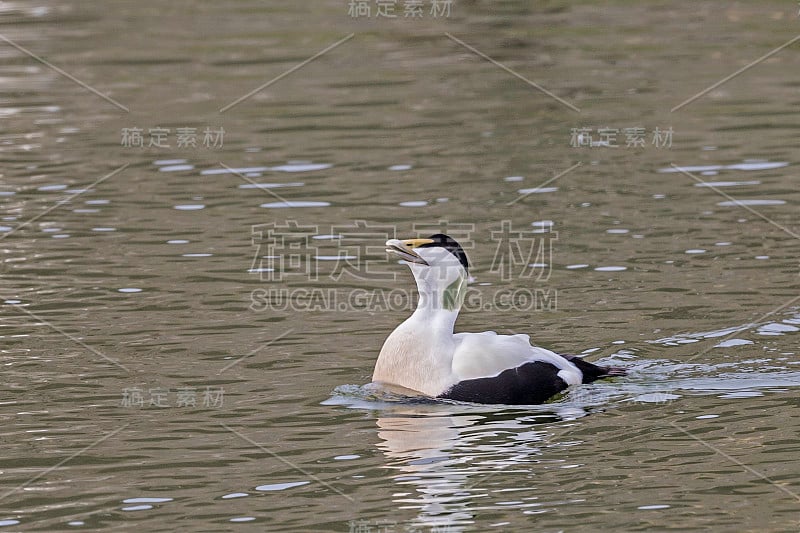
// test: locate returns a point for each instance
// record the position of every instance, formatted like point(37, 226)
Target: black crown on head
point(449, 244)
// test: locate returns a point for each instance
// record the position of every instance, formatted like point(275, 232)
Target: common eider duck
point(424, 355)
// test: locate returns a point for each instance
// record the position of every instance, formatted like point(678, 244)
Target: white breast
point(415, 361)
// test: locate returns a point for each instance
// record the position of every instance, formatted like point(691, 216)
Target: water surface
point(145, 386)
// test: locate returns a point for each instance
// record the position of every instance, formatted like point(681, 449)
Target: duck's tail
point(592, 372)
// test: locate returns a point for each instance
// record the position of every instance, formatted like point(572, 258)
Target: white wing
point(487, 354)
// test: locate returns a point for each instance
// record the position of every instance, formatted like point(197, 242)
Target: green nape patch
point(453, 295)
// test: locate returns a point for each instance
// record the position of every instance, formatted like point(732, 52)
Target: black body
point(529, 384)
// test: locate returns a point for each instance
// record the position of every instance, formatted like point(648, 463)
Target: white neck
point(418, 354)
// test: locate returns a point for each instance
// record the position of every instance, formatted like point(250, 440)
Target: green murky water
point(195, 288)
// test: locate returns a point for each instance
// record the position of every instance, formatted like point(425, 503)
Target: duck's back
point(487, 354)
